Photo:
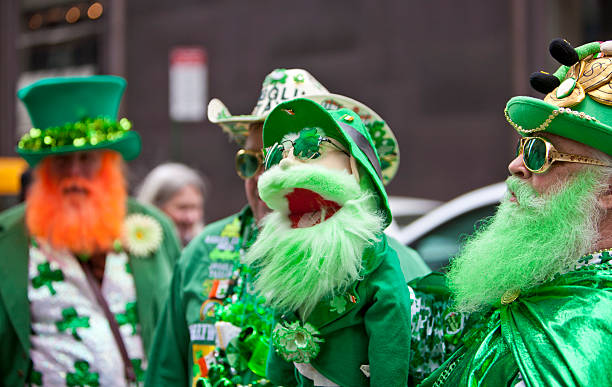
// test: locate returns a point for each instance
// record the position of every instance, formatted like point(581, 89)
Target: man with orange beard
point(84, 267)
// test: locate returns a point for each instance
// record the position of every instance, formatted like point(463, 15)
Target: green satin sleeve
point(561, 334)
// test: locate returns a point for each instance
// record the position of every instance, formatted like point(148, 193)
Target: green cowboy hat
point(579, 106)
point(343, 125)
point(71, 114)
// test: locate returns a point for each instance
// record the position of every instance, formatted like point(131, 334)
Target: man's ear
point(354, 169)
point(605, 199)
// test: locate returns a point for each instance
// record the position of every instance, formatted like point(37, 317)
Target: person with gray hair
point(179, 191)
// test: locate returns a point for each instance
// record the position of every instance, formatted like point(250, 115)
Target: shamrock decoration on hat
point(282, 85)
point(71, 114)
point(578, 103)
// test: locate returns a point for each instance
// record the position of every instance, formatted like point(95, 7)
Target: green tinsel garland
point(89, 131)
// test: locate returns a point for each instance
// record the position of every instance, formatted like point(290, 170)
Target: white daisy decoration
point(143, 234)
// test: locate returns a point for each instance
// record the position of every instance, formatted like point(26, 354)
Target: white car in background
point(438, 234)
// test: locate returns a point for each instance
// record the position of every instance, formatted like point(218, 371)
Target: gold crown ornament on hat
point(585, 70)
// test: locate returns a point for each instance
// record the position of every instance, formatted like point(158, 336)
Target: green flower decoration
point(89, 131)
point(296, 343)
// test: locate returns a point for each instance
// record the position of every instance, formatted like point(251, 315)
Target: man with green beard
point(539, 271)
point(322, 261)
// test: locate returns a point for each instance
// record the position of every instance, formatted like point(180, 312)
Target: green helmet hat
point(343, 125)
point(71, 114)
point(578, 104)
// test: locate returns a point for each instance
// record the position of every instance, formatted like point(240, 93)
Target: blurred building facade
point(440, 72)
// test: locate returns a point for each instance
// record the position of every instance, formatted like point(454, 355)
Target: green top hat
point(76, 114)
point(578, 105)
point(343, 125)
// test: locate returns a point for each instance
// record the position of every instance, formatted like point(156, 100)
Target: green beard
point(526, 244)
point(297, 267)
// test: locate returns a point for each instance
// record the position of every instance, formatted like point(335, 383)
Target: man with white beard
point(539, 271)
point(322, 261)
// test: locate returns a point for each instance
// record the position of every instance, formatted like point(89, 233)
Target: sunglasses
point(248, 162)
point(304, 148)
point(539, 155)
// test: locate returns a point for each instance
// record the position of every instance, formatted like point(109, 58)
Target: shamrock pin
point(72, 321)
point(46, 276)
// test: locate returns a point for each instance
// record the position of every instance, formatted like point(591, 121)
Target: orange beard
point(82, 215)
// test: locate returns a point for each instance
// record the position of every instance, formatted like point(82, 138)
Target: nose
point(192, 215)
point(74, 167)
point(517, 168)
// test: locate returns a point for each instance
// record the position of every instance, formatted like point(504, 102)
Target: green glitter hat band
point(83, 135)
point(78, 134)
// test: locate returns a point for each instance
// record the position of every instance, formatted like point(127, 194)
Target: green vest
point(151, 278)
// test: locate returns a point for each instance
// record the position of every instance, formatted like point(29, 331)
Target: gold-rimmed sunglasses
point(248, 162)
point(539, 154)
